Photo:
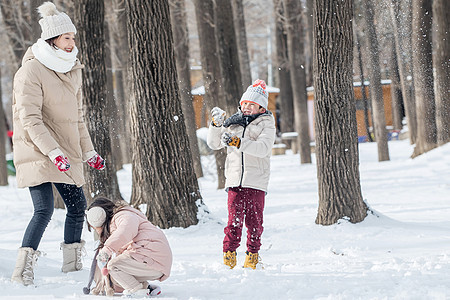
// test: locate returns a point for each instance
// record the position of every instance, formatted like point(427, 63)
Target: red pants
point(248, 204)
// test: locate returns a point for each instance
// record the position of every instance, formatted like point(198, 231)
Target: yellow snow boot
point(251, 260)
point(229, 259)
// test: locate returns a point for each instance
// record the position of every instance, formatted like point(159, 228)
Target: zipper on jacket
point(242, 159)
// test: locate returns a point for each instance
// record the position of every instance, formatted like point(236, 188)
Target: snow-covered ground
point(400, 252)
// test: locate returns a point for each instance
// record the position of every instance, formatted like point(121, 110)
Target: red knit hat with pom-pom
point(256, 93)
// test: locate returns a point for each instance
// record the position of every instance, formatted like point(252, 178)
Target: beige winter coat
point(133, 234)
point(248, 166)
point(47, 110)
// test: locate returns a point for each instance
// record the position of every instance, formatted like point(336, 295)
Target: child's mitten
point(103, 267)
point(218, 116)
point(229, 139)
point(102, 257)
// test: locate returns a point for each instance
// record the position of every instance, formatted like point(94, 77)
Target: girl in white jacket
point(249, 136)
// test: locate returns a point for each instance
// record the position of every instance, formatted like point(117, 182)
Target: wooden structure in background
point(202, 115)
point(360, 108)
point(361, 125)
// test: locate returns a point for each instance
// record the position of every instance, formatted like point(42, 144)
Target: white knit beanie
point(96, 216)
point(256, 93)
point(53, 22)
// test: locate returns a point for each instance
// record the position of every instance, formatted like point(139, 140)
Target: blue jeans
point(42, 197)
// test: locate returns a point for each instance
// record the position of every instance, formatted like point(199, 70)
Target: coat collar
point(240, 119)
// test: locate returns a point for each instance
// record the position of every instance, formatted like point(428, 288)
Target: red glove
point(97, 162)
point(62, 163)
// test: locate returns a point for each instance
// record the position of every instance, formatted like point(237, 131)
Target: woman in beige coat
point(50, 139)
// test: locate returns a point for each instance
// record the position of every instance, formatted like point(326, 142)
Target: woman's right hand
point(62, 163)
point(59, 159)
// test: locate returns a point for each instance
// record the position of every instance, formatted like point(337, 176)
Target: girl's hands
point(103, 257)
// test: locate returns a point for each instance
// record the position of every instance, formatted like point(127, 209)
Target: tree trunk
point(228, 55)
point(163, 177)
point(35, 29)
point(114, 122)
point(336, 136)
point(401, 20)
point(423, 77)
point(396, 89)
point(181, 47)
point(119, 46)
point(308, 14)
point(296, 54)
point(285, 98)
point(441, 63)
point(89, 15)
point(58, 202)
point(204, 12)
point(376, 92)
point(241, 38)
point(3, 166)
point(363, 87)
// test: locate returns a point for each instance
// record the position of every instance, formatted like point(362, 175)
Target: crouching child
point(132, 251)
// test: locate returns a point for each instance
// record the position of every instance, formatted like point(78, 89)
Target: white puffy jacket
point(248, 166)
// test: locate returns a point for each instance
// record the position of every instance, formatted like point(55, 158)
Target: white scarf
point(55, 59)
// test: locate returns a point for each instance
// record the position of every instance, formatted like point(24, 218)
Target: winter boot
point(229, 259)
point(26, 260)
point(251, 260)
point(152, 290)
point(72, 256)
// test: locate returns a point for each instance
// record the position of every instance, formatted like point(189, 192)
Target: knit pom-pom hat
point(96, 216)
point(53, 22)
point(256, 93)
